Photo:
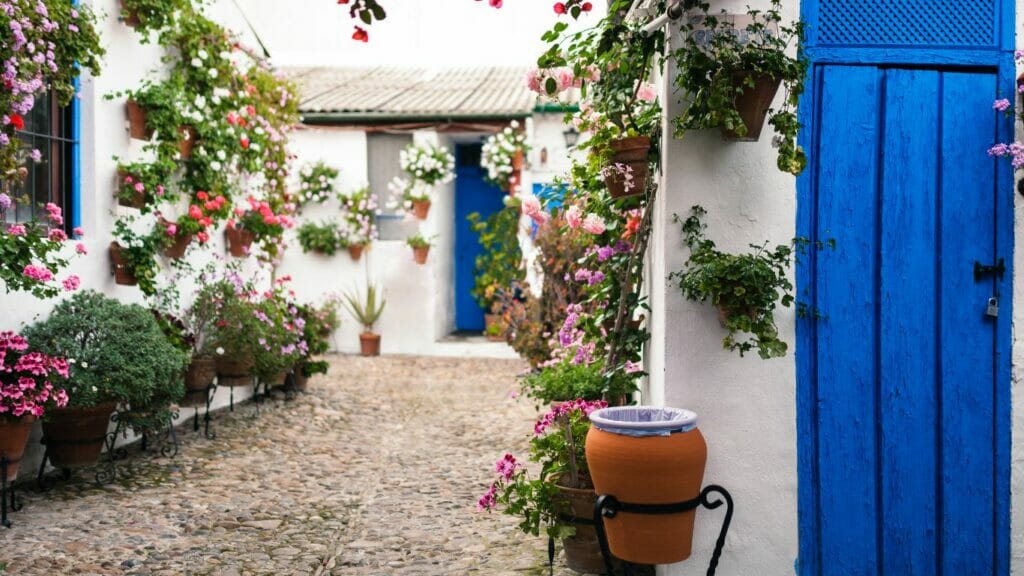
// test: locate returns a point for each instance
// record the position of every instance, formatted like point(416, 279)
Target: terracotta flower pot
point(753, 105)
point(130, 19)
point(136, 200)
point(369, 344)
point(355, 251)
point(420, 254)
point(200, 374)
point(239, 241)
point(14, 433)
point(186, 141)
point(630, 152)
point(181, 244)
point(232, 372)
point(74, 437)
point(647, 470)
point(582, 550)
point(518, 160)
point(137, 127)
point(301, 381)
point(421, 208)
point(122, 275)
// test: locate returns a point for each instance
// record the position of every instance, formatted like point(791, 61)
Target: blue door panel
point(900, 451)
point(472, 194)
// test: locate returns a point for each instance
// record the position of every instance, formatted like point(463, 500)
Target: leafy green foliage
point(712, 74)
point(151, 15)
point(565, 381)
point(139, 250)
point(366, 310)
point(236, 330)
point(323, 238)
point(500, 265)
point(745, 287)
point(418, 241)
point(117, 353)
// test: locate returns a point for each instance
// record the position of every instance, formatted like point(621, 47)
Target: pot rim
point(644, 420)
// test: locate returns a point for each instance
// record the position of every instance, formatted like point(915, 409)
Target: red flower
point(360, 35)
point(202, 195)
point(587, 6)
point(342, 1)
point(559, 8)
point(245, 142)
point(17, 121)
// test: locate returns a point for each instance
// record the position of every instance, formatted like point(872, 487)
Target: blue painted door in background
point(903, 459)
point(472, 194)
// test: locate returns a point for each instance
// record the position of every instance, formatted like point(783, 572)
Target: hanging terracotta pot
point(753, 105)
point(582, 550)
point(239, 241)
point(186, 140)
point(132, 199)
point(137, 127)
point(420, 254)
point(369, 344)
point(518, 160)
point(75, 437)
point(630, 155)
point(666, 466)
point(355, 251)
point(178, 248)
point(14, 432)
point(421, 208)
point(130, 19)
point(122, 275)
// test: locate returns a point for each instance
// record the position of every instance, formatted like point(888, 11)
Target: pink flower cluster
point(587, 407)
point(531, 207)
point(592, 223)
point(561, 79)
point(26, 385)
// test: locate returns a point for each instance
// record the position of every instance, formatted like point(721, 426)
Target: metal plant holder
point(8, 497)
point(106, 472)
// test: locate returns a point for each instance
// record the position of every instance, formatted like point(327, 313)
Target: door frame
point(1000, 61)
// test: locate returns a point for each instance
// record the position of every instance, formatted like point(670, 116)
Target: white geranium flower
point(215, 166)
point(197, 63)
point(203, 54)
point(213, 72)
point(220, 351)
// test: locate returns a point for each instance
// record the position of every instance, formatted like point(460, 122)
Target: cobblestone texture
point(375, 471)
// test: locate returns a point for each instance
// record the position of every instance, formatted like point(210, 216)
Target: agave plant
point(366, 310)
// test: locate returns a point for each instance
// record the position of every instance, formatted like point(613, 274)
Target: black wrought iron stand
point(211, 390)
point(169, 446)
point(8, 498)
point(607, 506)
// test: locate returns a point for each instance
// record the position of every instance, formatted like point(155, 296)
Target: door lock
point(996, 269)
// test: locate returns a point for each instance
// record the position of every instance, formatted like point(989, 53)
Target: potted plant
point(149, 15)
point(133, 256)
point(34, 252)
point(30, 385)
point(745, 288)
point(367, 311)
point(730, 81)
point(428, 163)
point(233, 335)
point(281, 345)
point(502, 157)
point(420, 248)
point(118, 356)
point(141, 184)
point(564, 381)
point(415, 195)
point(317, 325)
point(316, 184)
point(358, 229)
point(155, 109)
point(257, 222)
point(561, 493)
point(176, 239)
point(500, 264)
point(320, 238)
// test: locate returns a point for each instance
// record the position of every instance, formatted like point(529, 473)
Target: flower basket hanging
point(119, 265)
point(239, 241)
point(753, 105)
point(421, 208)
point(137, 127)
point(355, 251)
point(128, 196)
point(420, 254)
point(627, 171)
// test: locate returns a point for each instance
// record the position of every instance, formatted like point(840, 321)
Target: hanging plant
point(428, 163)
point(316, 184)
point(745, 288)
point(727, 78)
point(502, 157)
point(134, 254)
point(320, 238)
point(142, 184)
point(146, 16)
point(358, 227)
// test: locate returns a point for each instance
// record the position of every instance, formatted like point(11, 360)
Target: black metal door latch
point(997, 269)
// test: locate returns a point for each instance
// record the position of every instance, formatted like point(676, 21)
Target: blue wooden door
point(472, 194)
point(904, 381)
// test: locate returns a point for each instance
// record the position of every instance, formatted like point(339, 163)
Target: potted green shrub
point(500, 264)
point(561, 492)
point(30, 385)
point(420, 248)
point(745, 288)
point(565, 381)
point(367, 310)
point(118, 356)
point(320, 238)
point(730, 81)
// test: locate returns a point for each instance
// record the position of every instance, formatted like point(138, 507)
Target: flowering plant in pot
point(367, 310)
point(358, 228)
point(31, 252)
point(730, 81)
point(560, 492)
point(316, 330)
point(415, 195)
point(259, 221)
point(142, 184)
point(316, 184)
point(502, 157)
point(322, 238)
point(233, 337)
point(133, 255)
point(420, 247)
point(745, 288)
point(564, 381)
point(428, 163)
point(150, 15)
point(117, 356)
point(282, 344)
point(31, 383)
point(72, 44)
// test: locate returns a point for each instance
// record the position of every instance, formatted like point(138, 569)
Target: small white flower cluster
point(409, 190)
point(358, 226)
point(316, 183)
point(498, 153)
point(428, 164)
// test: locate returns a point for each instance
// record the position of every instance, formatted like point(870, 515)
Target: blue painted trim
point(931, 57)
point(76, 154)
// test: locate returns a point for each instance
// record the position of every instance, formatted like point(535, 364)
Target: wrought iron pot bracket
point(8, 499)
point(607, 506)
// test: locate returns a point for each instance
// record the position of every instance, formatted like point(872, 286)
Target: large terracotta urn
point(647, 455)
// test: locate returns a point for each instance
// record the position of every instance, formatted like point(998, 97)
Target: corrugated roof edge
point(326, 118)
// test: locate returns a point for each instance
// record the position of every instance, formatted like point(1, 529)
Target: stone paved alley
point(375, 471)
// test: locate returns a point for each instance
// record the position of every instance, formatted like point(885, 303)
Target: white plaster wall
point(746, 405)
point(1017, 391)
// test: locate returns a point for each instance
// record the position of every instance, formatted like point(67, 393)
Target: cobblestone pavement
point(375, 471)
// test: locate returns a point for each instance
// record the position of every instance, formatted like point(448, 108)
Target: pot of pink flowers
point(29, 386)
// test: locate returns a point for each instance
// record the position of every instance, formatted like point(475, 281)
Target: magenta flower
point(489, 500)
point(71, 283)
point(37, 273)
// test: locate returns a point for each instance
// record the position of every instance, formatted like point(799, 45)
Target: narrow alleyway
point(375, 471)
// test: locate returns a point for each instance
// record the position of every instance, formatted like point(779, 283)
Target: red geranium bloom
point(17, 121)
point(360, 35)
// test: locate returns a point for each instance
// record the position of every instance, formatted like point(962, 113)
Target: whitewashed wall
point(746, 406)
point(1017, 447)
